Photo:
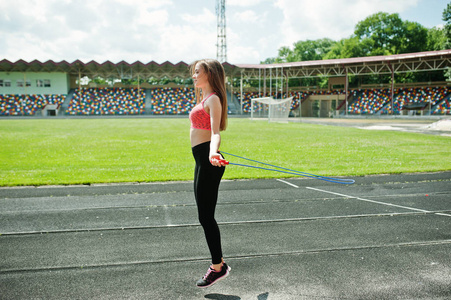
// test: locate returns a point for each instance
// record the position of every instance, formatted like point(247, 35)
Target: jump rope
point(282, 170)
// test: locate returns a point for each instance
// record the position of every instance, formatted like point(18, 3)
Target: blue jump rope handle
point(285, 170)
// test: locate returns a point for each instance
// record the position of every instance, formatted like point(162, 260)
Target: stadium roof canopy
point(401, 63)
point(121, 70)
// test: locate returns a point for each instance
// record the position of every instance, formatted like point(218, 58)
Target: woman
point(208, 118)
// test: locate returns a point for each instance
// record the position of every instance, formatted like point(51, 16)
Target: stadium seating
point(443, 108)
point(248, 96)
point(298, 97)
point(372, 101)
point(368, 101)
point(174, 100)
point(27, 105)
point(416, 95)
point(171, 101)
point(246, 102)
point(435, 94)
point(107, 101)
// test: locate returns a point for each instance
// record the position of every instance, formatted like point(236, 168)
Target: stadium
point(61, 88)
point(346, 195)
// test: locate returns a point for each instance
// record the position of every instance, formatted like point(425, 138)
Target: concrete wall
point(34, 83)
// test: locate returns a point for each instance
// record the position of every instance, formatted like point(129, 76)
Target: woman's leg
point(206, 184)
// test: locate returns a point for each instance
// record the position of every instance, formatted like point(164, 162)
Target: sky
point(184, 30)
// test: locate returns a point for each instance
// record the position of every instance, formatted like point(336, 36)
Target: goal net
point(271, 109)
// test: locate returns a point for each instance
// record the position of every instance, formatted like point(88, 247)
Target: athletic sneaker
point(213, 276)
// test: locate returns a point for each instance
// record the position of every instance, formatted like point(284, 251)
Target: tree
point(99, 80)
point(446, 16)
point(391, 35)
point(285, 55)
point(378, 34)
point(413, 38)
point(351, 47)
point(270, 60)
point(436, 39)
point(304, 51)
point(311, 50)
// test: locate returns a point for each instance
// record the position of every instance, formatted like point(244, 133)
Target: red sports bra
point(199, 117)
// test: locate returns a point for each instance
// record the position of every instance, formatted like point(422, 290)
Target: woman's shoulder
point(212, 100)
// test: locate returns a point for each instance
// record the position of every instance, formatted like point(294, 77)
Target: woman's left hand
point(216, 160)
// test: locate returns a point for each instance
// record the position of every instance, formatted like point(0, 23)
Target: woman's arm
point(215, 118)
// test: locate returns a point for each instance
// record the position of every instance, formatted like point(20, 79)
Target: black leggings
point(206, 184)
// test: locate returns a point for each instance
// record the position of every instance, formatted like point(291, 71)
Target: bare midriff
point(199, 136)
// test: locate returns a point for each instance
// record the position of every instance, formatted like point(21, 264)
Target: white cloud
point(243, 54)
point(162, 30)
point(207, 17)
point(101, 30)
point(244, 3)
point(244, 48)
point(152, 18)
point(310, 20)
point(146, 3)
point(186, 43)
point(248, 16)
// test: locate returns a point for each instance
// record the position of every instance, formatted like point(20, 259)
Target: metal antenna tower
point(221, 46)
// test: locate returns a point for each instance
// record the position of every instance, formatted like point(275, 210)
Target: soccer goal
point(271, 109)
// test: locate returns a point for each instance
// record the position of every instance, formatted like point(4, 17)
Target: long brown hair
point(216, 79)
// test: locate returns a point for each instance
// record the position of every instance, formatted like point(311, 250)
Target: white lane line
point(167, 217)
point(293, 185)
point(442, 214)
point(372, 201)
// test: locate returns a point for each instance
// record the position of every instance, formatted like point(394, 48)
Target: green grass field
point(84, 151)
